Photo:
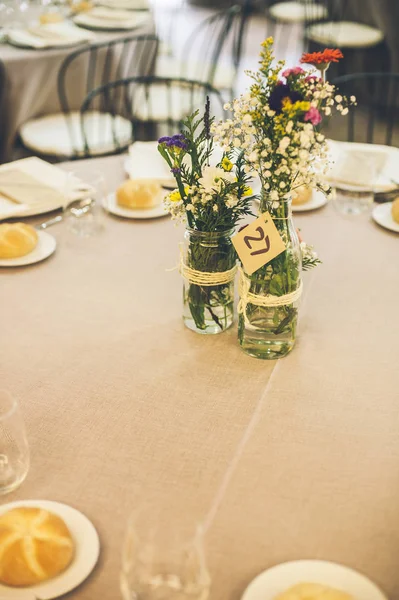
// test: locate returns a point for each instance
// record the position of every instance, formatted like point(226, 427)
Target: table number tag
point(258, 243)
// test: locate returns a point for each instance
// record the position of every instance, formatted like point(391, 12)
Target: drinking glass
point(14, 449)
point(85, 193)
point(353, 192)
point(352, 200)
point(161, 560)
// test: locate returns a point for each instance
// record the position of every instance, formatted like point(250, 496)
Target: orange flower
point(326, 57)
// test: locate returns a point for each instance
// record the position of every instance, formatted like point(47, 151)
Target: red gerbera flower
point(326, 57)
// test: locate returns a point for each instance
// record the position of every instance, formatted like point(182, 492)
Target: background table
point(31, 83)
point(119, 397)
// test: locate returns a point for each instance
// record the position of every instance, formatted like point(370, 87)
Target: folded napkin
point(363, 165)
point(52, 34)
point(145, 162)
point(110, 14)
point(125, 4)
point(31, 185)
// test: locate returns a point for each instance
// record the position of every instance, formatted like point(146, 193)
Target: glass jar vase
point(269, 298)
point(208, 266)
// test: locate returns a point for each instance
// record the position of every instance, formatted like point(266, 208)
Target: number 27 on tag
point(258, 243)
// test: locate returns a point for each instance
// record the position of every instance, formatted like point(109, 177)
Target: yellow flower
point(227, 164)
point(248, 191)
point(175, 196)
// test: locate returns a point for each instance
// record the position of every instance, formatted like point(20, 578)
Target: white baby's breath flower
point(344, 111)
point(338, 98)
point(236, 142)
point(274, 195)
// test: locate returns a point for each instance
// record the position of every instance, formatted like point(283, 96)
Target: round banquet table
point(120, 398)
point(31, 82)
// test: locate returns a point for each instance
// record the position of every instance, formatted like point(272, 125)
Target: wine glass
point(161, 560)
point(14, 449)
point(353, 192)
point(84, 193)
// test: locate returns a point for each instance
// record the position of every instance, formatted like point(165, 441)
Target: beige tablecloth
point(119, 397)
point(31, 83)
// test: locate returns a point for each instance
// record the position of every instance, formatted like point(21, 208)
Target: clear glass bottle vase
point(269, 332)
point(208, 263)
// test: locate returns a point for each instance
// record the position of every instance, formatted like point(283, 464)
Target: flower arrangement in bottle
point(276, 126)
point(210, 198)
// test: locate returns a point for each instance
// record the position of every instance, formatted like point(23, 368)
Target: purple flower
point(313, 116)
point(176, 141)
point(175, 171)
point(280, 93)
point(293, 71)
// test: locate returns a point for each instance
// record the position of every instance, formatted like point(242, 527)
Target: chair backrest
point(375, 119)
point(155, 106)
point(217, 41)
point(91, 66)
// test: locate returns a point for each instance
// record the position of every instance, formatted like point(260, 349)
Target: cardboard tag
point(258, 243)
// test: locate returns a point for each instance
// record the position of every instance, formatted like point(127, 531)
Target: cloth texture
point(121, 400)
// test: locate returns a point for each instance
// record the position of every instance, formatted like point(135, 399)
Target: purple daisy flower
point(280, 93)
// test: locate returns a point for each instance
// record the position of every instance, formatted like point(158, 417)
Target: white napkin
point(107, 18)
point(52, 34)
point(363, 165)
point(145, 162)
point(125, 4)
point(110, 14)
point(44, 173)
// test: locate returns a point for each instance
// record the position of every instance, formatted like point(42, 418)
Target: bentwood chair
point(375, 119)
point(210, 51)
point(60, 134)
point(338, 29)
point(153, 106)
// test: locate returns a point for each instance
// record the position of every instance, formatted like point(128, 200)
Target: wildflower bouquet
point(276, 128)
point(210, 200)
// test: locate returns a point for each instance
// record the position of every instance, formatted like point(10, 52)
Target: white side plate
point(110, 204)
point(87, 549)
point(276, 580)
point(317, 200)
point(383, 216)
point(45, 247)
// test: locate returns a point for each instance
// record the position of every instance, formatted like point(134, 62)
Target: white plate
point(136, 20)
point(87, 549)
point(45, 247)
point(110, 204)
point(317, 200)
point(276, 580)
point(383, 216)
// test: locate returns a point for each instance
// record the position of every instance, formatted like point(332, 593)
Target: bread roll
point(313, 591)
point(395, 210)
point(139, 193)
point(17, 239)
point(35, 545)
point(51, 17)
point(301, 195)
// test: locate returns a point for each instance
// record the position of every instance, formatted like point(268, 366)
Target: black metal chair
point(339, 29)
point(81, 72)
point(375, 119)
point(154, 106)
point(211, 51)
